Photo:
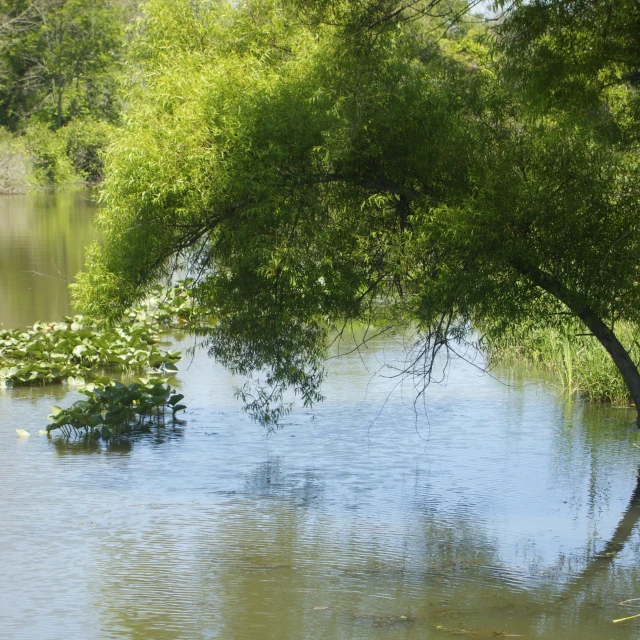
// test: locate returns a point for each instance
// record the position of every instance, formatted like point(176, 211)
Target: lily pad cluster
point(48, 353)
point(75, 348)
point(113, 409)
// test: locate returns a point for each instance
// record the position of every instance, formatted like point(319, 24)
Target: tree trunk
point(618, 353)
point(607, 338)
point(59, 108)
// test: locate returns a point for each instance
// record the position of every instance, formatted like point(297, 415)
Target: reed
point(579, 361)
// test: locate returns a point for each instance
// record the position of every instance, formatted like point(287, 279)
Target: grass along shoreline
point(579, 362)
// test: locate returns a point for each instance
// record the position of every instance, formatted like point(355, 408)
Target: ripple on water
point(479, 517)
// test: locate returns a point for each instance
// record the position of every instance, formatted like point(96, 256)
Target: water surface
point(42, 240)
point(497, 510)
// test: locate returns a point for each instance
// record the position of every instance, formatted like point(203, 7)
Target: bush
point(72, 154)
point(13, 164)
point(85, 141)
point(50, 165)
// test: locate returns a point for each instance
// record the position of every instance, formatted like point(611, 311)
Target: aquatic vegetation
point(113, 409)
point(48, 353)
point(75, 349)
point(580, 363)
point(78, 351)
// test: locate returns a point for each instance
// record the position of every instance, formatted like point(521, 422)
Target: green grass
point(580, 362)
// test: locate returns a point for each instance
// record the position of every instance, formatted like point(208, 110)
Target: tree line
point(59, 60)
point(61, 65)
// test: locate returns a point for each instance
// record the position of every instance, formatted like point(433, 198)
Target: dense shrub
point(13, 164)
point(42, 157)
point(85, 141)
point(50, 165)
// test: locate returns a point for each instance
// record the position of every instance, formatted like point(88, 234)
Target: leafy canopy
point(59, 60)
point(359, 162)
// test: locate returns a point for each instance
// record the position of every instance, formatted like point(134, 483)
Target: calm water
point(42, 240)
point(502, 511)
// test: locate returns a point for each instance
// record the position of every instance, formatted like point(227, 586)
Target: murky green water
point(42, 240)
point(501, 512)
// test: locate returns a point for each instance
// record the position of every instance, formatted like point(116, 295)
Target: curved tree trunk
point(618, 353)
point(607, 338)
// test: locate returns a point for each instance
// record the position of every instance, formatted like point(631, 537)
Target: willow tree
point(366, 162)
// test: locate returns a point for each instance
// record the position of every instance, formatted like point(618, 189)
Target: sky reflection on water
point(485, 515)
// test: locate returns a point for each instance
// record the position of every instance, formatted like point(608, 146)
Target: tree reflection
point(274, 561)
point(42, 244)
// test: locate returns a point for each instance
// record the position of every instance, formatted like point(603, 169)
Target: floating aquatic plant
point(77, 349)
point(48, 353)
point(113, 409)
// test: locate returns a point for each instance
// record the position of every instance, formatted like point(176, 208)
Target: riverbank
point(42, 158)
point(578, 361)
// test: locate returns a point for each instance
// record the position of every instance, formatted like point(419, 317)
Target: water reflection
point(481, 526)
point(504, 511)
point(42, 242)
point(79, 445)
point(89, 446)
point(272, 478)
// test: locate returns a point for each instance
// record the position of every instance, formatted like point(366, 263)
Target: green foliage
point(52, 158)
point(50, 164)
point(170, 308)
point(572, 54)
point(113, 409)
point(372, 168)
point(13, 164)
point(85, 142)
point(59, 60)
point(49, 353)
point(19, 17)
point(580, 362)
point(60, 86)
point(74, 350)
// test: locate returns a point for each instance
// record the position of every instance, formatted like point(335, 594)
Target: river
point(496, 508)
